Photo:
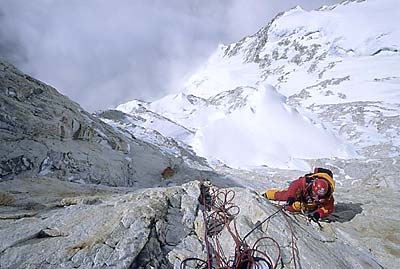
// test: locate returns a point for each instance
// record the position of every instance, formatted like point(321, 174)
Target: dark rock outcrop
point(42, 132)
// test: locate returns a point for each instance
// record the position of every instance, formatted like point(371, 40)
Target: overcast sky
point(101, 53)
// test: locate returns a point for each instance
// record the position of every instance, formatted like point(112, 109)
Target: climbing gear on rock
point(219, 213)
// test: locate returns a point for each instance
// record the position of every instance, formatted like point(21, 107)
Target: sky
point(103, 53)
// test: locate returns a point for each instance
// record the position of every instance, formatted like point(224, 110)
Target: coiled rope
point(220, 213)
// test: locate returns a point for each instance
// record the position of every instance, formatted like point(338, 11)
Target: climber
point(311, 194)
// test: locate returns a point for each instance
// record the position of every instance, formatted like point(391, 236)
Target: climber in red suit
point(311, 194)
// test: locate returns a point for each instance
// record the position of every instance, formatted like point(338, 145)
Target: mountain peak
point(302, 64)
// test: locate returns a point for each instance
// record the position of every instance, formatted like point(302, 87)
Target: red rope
point(293, 240)
point(219, 213)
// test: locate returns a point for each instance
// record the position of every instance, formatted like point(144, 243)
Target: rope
point(292, 240)
point(220, 213)
point(261, 223)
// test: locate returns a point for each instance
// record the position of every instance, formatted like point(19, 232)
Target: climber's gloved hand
point(314, 216)
point(290, 201)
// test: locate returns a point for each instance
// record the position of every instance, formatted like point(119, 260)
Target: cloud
point(102, 53)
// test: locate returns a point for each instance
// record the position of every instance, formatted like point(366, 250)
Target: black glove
point(314, 216)
point(290, 201)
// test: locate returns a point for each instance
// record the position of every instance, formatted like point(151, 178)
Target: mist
point(103, 53)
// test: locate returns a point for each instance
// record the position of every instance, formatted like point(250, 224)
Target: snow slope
point(310, 85)
point(246, 127)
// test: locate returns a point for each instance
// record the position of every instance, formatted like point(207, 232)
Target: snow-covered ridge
point(299, 48)
point(334, 80)
point(355, 27)
point(247, 126)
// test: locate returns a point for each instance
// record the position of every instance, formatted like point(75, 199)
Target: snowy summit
point(288, 93)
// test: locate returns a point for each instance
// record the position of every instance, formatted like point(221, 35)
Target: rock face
point(103, 227)
point(44, 133)
point(48, 219)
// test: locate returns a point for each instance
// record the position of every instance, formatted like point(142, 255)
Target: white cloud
point(102, 53)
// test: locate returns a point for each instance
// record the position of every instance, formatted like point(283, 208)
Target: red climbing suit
point(301, 190)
